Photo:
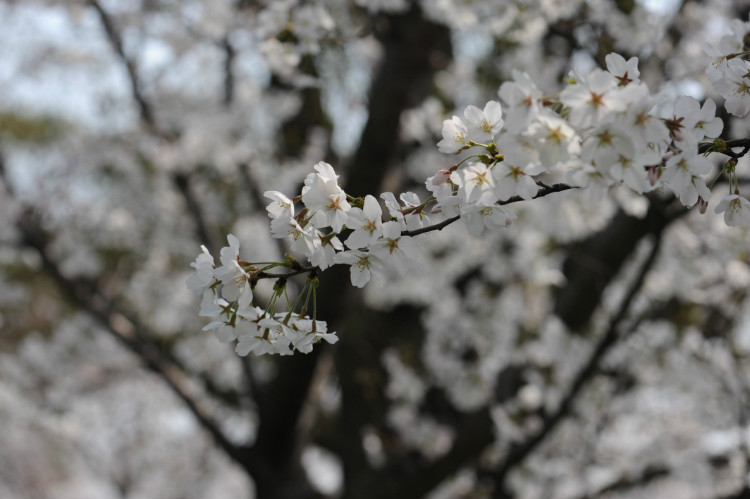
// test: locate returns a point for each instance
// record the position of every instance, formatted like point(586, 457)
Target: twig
point(229, 56)
point(544, 191)
point(146, 111)
point(182, 181)
point(730, 144)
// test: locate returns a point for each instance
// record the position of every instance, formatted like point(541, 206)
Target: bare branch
point(183, 181)
point(127, 330)
point(144, 106)
point(544, 191)
point(728, 146)
point(229, 56)
point(607, 341)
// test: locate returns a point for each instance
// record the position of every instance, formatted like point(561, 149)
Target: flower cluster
point(730, 74)
point(370, 245)
point(600, 130)
point(227, 300)
point(728, 71)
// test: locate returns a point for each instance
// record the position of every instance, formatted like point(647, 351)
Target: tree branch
point(544, 191)
point(127, 330)
point(229, 56)
point(182, 181)
point(729, 145)
point(608, 340)
point(146, 111)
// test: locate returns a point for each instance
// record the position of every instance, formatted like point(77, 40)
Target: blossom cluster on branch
point(602, 129)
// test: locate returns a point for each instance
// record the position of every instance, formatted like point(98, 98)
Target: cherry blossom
point(235, 280)
point(393, 248)
point(736, 210)
point(364, 265)
point(476, 217)
point(484, 124)
point(476, 184)
point(734, 86)
point(455, 136)
point(366, 222)
point(626, 72)
point(521, 98)
point(593, 99)
point(325, 199)
point(199, 282)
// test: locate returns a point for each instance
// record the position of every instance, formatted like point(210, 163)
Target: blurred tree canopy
point(593, 349)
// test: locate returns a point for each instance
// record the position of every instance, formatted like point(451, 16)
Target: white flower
point(364, 265)
point(700, 122)
point(455, 136)
point(736, 210)
point(483, 125)
point(693, 191)
point(681, 172)
point(248, 343)
point(223, 331)
point(640, 124)
point(728, 45)
point(476, 184)
point(366, 222)
point(606, 144)
point(594, 180)
point(593, 100)
point(440, 186)
point(203, 278)
point(521, 98)
point(274, 334)
point(325, 199)
point(236, 282)
point(211, 304)
point(556, 141)
point(236, 285)
point(408, 215)
point(231, 253)
point(281, 207)
point(304, 333)
point(302, 239)
point(631, 168)
point(325, 249)
point(393, 248)
point(513, 177)
point(477, 217)
point(625, 71)
point(734, 86)
point(249, 335)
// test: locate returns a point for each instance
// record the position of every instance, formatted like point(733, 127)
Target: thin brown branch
point(229, 56)
point(729, 145)
point(544, 191)
point(180, 180)
point(144, 106)
point(183, 183)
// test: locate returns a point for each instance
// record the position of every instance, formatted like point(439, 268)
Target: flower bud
point(702, 205)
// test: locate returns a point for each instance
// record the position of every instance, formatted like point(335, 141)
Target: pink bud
point(442, 176)
point(702, 205)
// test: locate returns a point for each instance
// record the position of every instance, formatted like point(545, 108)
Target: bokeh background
point(593, 349)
